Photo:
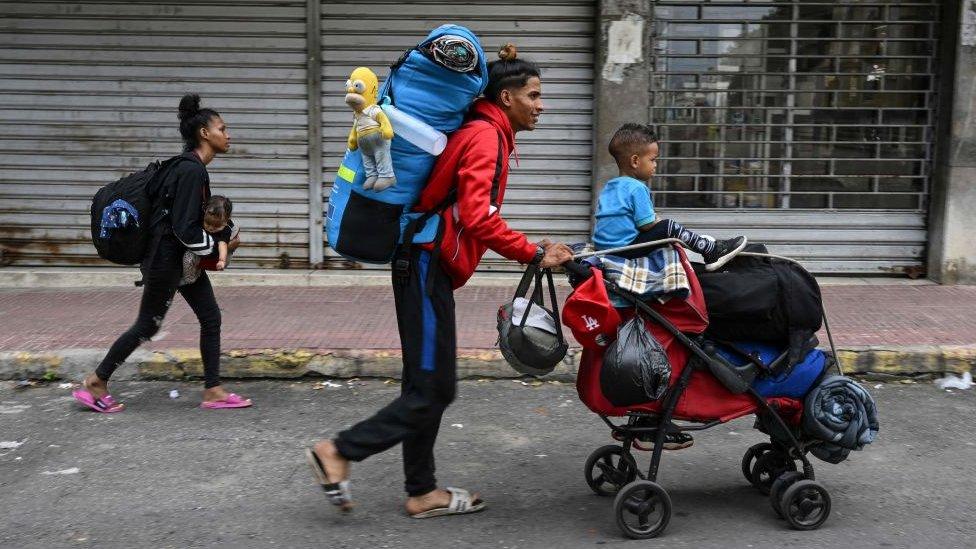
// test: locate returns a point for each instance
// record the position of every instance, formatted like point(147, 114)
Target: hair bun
point(508, 52)
point(189, 105)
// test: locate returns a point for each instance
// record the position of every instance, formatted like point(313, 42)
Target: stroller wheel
point(779, 487)
point(642, 509)
point(805, 505)
point(608, 469)
point(750, 457)
point(769, 466)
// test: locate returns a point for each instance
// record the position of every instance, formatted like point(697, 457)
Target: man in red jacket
point(467, 186)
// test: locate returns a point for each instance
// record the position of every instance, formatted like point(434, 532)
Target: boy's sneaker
point(723, 252)
point(672, 441)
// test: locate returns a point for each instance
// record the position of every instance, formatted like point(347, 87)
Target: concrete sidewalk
point(350, 330)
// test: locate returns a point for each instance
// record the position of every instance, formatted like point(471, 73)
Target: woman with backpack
point(186, 185)
point(475, 167)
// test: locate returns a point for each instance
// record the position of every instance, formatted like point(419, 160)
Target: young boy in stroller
point(625, 217)
point(625, 209)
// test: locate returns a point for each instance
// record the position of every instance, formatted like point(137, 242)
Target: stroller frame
point(666, 424)
point(795, 496)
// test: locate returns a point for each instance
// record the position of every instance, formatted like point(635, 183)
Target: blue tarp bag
point(793, 383)
point(436, 82)
point(119, 215)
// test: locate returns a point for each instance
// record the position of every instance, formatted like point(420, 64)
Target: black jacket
point(187, 185)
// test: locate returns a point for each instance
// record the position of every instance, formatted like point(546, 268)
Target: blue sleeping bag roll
point(795, 383)
point(435, 82)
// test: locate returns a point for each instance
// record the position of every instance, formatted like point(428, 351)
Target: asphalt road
point(167, 474)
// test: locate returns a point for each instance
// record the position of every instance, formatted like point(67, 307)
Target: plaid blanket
point(657, 275)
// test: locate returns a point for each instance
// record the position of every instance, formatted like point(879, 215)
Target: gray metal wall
point(549, 191)
point(89, 92)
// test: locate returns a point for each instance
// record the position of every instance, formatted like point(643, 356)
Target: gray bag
point(530, 336)
point(635, 367)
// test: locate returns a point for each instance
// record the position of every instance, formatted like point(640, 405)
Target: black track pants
point(428, 340)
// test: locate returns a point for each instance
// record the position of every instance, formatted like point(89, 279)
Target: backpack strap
point(388, 86)
point(401, 260)
point(496, 179)
point(159, 212)
point(403, 58)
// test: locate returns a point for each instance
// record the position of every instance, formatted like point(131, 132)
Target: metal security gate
point(804, 125)
point(89, 92)
point(549, 191)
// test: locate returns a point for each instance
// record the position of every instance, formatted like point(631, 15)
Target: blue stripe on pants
point(429, 342)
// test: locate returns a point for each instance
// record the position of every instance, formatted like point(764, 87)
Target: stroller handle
point(631, 247)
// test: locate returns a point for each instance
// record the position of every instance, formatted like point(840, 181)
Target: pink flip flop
point(232, 401)
point(104, 405)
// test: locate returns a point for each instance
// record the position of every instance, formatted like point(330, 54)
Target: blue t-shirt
point(624, 205)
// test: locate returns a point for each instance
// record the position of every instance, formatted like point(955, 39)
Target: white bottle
point(416, 131)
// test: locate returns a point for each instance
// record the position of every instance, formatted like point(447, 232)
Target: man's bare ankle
point(438, 497)
point(327, 449)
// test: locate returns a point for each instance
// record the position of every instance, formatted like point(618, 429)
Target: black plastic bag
point(635, 367)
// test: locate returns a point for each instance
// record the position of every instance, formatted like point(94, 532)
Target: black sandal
point(337, 492)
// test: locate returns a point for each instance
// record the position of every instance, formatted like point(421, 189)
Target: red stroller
point(704, 390)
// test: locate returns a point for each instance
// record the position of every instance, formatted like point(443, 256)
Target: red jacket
point(474, 225)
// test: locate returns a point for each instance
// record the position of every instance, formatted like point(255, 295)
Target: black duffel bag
point(763, 299)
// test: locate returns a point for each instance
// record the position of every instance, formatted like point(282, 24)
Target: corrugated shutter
point(89, 92)
point(806, 125)
point(830, 241)
point(549, 192)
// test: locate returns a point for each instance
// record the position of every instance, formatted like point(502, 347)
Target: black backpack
point(123, 214)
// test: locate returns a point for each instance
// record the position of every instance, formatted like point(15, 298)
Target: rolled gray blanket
point(842, 414)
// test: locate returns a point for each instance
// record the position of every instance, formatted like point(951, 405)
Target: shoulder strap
point(387, 89)
point(161, 210)
point(401, 260)
point(496, 180)
point(452, 197)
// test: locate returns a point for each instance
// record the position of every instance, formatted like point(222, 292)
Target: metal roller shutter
point(549, 191)
point(89, 92)
point(802, 124)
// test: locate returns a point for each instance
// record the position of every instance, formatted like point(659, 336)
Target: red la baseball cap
point(589, 314)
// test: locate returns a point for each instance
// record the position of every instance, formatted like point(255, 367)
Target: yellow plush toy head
point(361, 88)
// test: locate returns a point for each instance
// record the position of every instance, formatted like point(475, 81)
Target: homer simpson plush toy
point(371, 130)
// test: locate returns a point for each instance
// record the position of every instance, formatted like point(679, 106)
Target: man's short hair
point(629, 140)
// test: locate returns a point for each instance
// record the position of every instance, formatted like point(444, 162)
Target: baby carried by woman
point(217, 222)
